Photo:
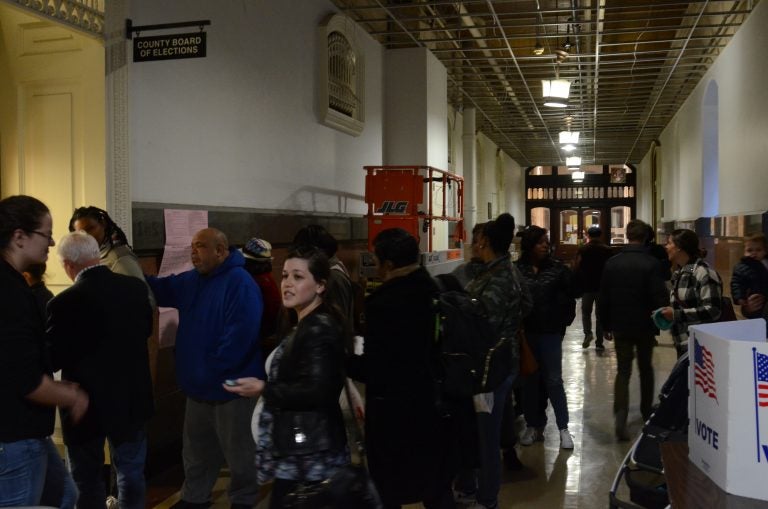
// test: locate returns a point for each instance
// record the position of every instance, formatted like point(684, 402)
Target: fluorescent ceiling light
point(577, 176)
point(573, 161)
point(555, 92)
point(569, 147)
point(571, 137)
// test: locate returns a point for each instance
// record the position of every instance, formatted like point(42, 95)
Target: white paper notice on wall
point(180, 227)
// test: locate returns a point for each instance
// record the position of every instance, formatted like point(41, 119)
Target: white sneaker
point(566, 440)
point(530, 435)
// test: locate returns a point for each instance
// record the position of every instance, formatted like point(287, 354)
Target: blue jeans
point(128, 457)
point(33, 473)
point(487, 479)
point(546, 383)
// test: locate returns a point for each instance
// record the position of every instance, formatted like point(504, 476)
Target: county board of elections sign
point(728, 405)
point(169, 47)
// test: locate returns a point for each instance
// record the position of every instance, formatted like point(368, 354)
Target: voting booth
point(728, 405)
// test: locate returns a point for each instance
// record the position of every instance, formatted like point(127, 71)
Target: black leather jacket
point(304, 399)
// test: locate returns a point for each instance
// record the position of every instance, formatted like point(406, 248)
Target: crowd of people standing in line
point(270, 411)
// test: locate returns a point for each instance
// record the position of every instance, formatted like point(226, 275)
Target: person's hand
point(79, 404)
point(247, 387)
point(668, 313)
point(753, 303)
point(608, 336)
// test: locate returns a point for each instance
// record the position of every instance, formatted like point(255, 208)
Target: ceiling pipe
point(599, 17)
point(666, 81)
point(522, 77)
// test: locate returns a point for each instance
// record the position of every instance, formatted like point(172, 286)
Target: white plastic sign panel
point(728, 405)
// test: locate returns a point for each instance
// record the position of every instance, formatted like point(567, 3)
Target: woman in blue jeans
point(549, 282)
point(31, 470)
point(498, 287)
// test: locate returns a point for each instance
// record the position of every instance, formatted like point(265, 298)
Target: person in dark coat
point(408, 438)
point(590, 261)
point(632, 287)
point(749, 283)
point(553, 292)
point(103, 320)
point(28, 392)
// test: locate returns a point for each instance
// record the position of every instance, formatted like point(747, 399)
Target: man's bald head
point(210, 248)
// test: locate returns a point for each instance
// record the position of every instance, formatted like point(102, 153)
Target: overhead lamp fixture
point(568, 147)
point(577, 176)
point(573, 161)
point(556, 92)
point(571, 137)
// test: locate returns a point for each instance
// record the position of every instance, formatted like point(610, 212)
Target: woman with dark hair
point(549, 282)
point(114, 249)
point(31, 470)
point(498, 287)
point(697, 290)
point(301, 435)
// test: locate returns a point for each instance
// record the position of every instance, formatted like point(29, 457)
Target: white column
point(470, 171)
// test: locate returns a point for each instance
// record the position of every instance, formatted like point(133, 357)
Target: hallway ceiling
point(631, 63)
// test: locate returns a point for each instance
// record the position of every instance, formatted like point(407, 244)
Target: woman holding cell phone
point(301, 435)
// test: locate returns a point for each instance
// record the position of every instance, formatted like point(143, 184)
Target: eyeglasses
point(42, 234)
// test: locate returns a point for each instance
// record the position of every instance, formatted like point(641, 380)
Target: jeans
point(487, 479)
point(546, 383)
point(33, 473)
point(588, 301)
point(215, 433)
point(128, 457)
point(626, 344)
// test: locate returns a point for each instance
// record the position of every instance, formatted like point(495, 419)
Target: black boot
point(622, 435)
point(511, 461)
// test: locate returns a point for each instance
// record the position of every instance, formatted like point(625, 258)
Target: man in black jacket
point(631, 288)
point(98, 330)
point(590, 262)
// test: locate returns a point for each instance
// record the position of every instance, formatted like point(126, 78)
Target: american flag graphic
point(762, 379)
point(704, 370)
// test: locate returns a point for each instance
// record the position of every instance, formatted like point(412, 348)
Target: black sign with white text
point(169, 47)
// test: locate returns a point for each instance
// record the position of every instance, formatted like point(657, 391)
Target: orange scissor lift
point(395, 196)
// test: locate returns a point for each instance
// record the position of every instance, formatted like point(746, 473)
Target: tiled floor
point(555, 478)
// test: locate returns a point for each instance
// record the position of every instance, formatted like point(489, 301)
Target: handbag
point(528, 364)
point(349, 488)
point(727, 313)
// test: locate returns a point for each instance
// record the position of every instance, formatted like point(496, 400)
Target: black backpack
point(470, 358)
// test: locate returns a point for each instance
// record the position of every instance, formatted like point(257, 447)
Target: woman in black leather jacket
point(301, 435)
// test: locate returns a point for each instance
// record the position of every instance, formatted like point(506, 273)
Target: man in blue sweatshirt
point(220, 310)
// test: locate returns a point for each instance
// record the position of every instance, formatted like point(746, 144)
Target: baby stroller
point(642, 469)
